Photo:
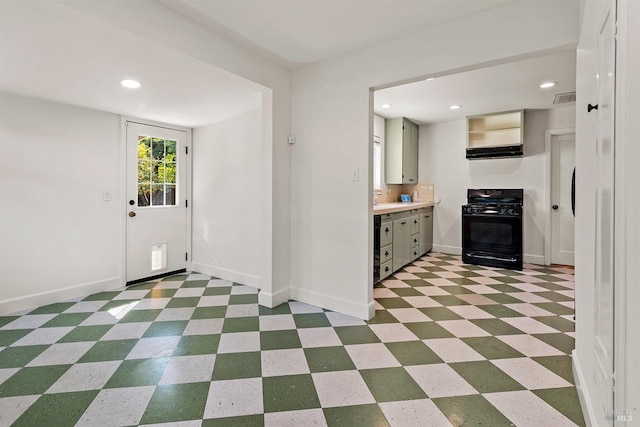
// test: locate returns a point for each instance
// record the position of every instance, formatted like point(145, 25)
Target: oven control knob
point(510, 211)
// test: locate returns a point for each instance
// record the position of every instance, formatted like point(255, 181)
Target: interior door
point(604, 245)
point(156, 201)
point(563, 161)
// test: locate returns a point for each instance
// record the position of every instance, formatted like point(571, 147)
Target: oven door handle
point(490, 216)
point(491, 257)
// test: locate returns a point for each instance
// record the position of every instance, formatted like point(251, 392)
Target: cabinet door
point(426, 231)
point(410, 153)
point(401, 243)
point(393, 151)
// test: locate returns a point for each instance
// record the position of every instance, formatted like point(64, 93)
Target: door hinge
point(186, 256)
point(186, 150)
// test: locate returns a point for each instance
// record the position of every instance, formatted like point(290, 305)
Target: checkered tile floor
point(451, 344)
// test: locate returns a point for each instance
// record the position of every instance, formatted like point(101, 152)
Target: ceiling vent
point(563, 98)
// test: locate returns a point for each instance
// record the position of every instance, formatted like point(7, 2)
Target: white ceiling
point(56, 51)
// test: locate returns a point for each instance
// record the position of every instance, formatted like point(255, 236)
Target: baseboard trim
point(227, 274)
point(583, 395)
point(449, 250)
point(27, 302)
point(361, 311)
point(533, 259)
point(272, 300)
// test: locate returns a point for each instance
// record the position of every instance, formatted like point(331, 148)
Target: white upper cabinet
point(401, 151)
point(495, 135)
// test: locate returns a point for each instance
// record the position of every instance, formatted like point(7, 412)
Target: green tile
point(505, 288)
point(243, 421)
point(134, 316)
point(440, 313)
point(230, 366)
point(469, 274)
point(138, 372)
point(176, 278)
point(355, 416)
point(496, 326)
point(427, 275)
point(289, 393)
point(35, 380)
point(195, 284)
point(5, 320)
point(161, 293)
point(102, 296)
point(183, 302)
point(356, 334)
point(565, 400)
point(281, 309)
point(492, 348)
point(225, 290)
point(471, 411)
point(486, 377)
point(243, 299)
point(559, 365)
point(561, 341)
point(241, 324)
point(459, 281)
point(448, 300)
point(166, 329)
point(553, 296)
point(116, 304)
point(141, 286)
point(506, 280)
point(108, 350)
point(393, 303)
point(17, 357)
point(176, 402)
point(217, 312)
point(311, 320)
point(191, 345)
point(428, 330)
point(9, 336)
point(413, 353)
point(392, 384)
point(503, 298)
point(86, 333)
point(382, 316)
point(555, 308)
point(407, 292)
point(68, 319)
point(275, 340)
point(328, 359)
point(53, 308)
point(549, 278)
point(559, 323)
point(499, 310)
point(58, 409)
point(509, 272)
point(414, 283)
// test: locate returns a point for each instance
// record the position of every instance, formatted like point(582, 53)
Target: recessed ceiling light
point(455, 107)
point(547, 85)
point(130, 84)
point(386, 105)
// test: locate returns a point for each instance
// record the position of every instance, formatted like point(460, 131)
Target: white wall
point(227, 208)
point(59, 238)
point(331, 217)
point(442, 162)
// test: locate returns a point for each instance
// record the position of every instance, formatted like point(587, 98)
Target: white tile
point(189, 292)
point(527, 278)
point(85, 376)
point(528, 297)
point(277, 322)
point(243, 290)
point(528, 287)
point(151, 303)
point(393, 332)
point(318, 337)
point(414, 269)
point(203, 327)
point(188, 369)
point(7, 373)
point(440, 380)
point(463, 328)
point(192, 423)
point(529, 325)
point(61, 354)
point(304, 417)
point(530, 346)
point(169, 314)
point(344, 388)
point(408, 315)
point(476, 299)
point(447, 274)
point(219, 283)
point(523, 408)
point(384, 293)
point(242, 310)
point(489, 272)
point(370, 356)
point(12, 407)
point(300, 308)
point(394, 283)
point(453, 350)
point(484, 280)
point(130, 402)
point(413, 413)
point(232, 398)
point(569, 304)
point(213, 301)
point(43, 336)
point(406, 276)
point(441, 282)
point(29, 321)
point(124, 331)
point(480, 289)
point(147, 348)
point(99, 318)
point(529, 310)
point(131, 294)
point(239, 342)
point(86, 307)
point(339, 319)
point(422, 302)
point(470, 311)
point(530, 374)
point(431, 291)
point(198, 276)
point(168, 284)
point(284, 362)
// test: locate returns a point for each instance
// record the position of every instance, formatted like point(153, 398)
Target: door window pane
point(156, 171)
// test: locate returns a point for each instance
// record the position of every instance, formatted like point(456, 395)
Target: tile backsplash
point(425, 192)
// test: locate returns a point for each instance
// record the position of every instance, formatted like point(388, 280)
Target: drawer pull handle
point(404, 222)
point(386, 253)
point(386, 269)
point(386, 230)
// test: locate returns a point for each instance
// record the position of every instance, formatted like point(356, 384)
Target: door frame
point(548, 137)
point(122, 199)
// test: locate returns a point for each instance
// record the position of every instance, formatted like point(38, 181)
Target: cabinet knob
point(386, 253)
point(386, 269)
point(404, 223)
point(415, 221)
point(386, 230)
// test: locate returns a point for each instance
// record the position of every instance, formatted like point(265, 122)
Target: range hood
point(495, 152)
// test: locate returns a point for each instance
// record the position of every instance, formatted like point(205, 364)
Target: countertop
point(385, 208)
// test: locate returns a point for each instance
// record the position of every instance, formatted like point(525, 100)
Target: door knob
point(555, 207)
point(132, 214)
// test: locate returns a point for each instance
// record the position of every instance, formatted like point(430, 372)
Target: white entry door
point(563, 161)
point(156, 201)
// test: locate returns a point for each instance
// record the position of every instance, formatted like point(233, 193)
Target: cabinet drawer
point(386, 233)
point(414, 220)
point(415, 240)
point(385, 270)
point(386, 254)
point(415, 253)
